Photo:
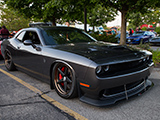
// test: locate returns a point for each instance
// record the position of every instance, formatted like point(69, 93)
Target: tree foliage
point(45, 10)
point(96, 14)
point(77, 10)
point(101, 15)
point(12, 19)
point(63, 10)
point(150, 17)
point(135, 20)
point(127, 7)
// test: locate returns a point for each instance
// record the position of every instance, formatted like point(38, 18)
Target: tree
point(77, 10)
point(153, 16)
point(12, 19)
point(100, 15)
point(53, 10)
point(150, 17)
point(45, 10)
point(135, 20)
point(88, 11)
point(127, 7)
point(61, 10)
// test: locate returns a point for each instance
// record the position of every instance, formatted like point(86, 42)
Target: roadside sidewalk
point(155, 73)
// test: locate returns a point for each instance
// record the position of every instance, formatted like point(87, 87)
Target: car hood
point(132, 37)
point(102, 52)
point(140, 36)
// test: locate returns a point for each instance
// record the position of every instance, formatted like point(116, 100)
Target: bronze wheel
point(64, 80)
point(9, 62)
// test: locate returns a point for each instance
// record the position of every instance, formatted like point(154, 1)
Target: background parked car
point(0, 46)
point(155, 41)
point(119, 35)
point(140, 37)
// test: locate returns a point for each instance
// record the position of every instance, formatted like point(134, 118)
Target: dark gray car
point(75, 64)
point(155, 41)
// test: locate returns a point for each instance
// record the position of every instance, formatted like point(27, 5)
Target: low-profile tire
point(9, 62)
point(64, 81)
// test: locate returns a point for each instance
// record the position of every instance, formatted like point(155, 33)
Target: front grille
point(127, 67)
point(119, 89)
point(130, 40)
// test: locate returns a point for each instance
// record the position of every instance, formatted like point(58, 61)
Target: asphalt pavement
point(155, 48)
point(19, 103)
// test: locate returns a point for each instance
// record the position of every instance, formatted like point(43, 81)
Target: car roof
point(52, 27)
point(140, 31)
point(37, 28)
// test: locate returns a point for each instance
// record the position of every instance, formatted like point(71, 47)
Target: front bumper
point(133, 42)
point(155, 42)
point(112, 99)
point(123, 87)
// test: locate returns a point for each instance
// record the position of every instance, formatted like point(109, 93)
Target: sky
point(116, 22)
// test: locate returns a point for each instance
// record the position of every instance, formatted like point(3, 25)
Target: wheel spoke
point(66, 71)
point(9, 60)
point(8, 55)
point(69, 80)
point(60, 81)
point(65, 86)
point(61, 72)
point(68, 87)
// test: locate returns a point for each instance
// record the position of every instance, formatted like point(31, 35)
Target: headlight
point(98, 69)
point(106, 68)
point(101, 69)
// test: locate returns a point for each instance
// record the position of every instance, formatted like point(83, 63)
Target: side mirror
point(27, 42)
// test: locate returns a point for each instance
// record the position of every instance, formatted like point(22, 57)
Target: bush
point(144, 46)
point(157, 29)
point(104, 37)
point(155, 54)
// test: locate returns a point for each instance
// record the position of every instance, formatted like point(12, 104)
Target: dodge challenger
point(77, 65)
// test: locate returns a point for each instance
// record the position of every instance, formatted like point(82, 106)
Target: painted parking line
point(1, 64)
point(44, 96)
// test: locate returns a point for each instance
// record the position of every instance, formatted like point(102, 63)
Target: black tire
point(9, 62)
point(1, 58)
point(64, 81)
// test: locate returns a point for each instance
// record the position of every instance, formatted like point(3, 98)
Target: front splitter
point(112, 99)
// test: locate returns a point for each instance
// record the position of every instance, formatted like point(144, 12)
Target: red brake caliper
point(60, 76)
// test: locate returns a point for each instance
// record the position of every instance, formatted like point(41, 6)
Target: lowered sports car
point(140, 37)
point(75, 64)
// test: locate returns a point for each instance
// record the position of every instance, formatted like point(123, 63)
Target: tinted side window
point(20, 36)
point(30, 35)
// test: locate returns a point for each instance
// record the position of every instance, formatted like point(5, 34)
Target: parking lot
point(23, 97)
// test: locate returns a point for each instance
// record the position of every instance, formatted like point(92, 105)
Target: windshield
point(138, 33)
point(54, 36)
